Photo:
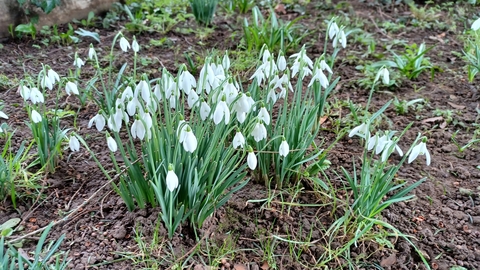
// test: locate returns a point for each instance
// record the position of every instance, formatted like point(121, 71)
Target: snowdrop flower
point(251, 159)
point(259, 132)
point(284, 148)
point(135, 46)
point(127, 94)
point(259, 75)
point(420, 149)
point(319, 76)
point(181, 130)
point(71, 87)
point(3, 115)
point(226, 62)
point(204, 110)
point(78, 62)
point(476, 25)
point(91, 52)
point(221, 111)
point(186, 82)
point(271, 96)
point(361, 130)
point(114, 122)
point(144, 90)
point(74, 143)
point(36, 117)
point(264, 116)
point(99, 121)
point(189, 140)
point(24, 92)
point(238, 140)
point(325, 66)
point(333, 30)
point(230, 92)
point(388, 145)
point(53, 76)
point(171, 179)
point(377, 142)
point(281, 62)
point(124, 45)
point(132, 106)
point(111, 143)
point(36, 96)
point(383, 72)
point(138, 129)
point(340, 37)
point(192, 99)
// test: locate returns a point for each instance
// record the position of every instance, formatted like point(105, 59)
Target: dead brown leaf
point(432, 119)
point(280, 8)
point(265, 266)
point(389, 261)
point(239, 267)
point(455, 106)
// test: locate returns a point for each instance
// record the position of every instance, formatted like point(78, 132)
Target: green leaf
point(85, 33)
point(10, 224)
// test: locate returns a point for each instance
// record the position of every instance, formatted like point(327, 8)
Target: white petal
point(74, 144)
point(36, 117)
point(172, 181)
point(252, 161)
point(3, 115)
point(284, 149)
point(476, 25)
point(112, 144)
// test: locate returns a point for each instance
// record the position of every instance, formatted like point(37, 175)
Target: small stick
point(74, 211)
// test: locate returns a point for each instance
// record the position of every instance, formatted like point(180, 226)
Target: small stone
point(119, 232)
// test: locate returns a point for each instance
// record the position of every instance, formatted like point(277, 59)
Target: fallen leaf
point(239, 267)
point(280, 8)
point(264, 266)
point(455, 106)
point(323, 119)
point(389, 261)
point(432, 119)
point(443, 125)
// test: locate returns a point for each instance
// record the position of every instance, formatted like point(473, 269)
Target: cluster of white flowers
point(384, 143)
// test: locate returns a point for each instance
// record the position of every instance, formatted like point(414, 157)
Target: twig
point(74, 211)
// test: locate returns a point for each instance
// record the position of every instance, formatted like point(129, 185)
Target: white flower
point(264, 116)
point(284, 148)
point(383, 72)
point(377, 142)
point(230, 92)
point(342, 38)
point(221, 111)
point(124, 45)
point(135, 46)
point(325, 66)
point(78, 62)
point(74, 143)
point(3, 115)
point(259, 132)
point(144, 90)
point(226, 62)
point(186, 82)
point(36, 117)
point(112, 144)
point(238, 140)
point(45, 82)
point(91, 52)
point(361, 131)
point(333, 30)
point(127, 94)
point(172, 179)
point(53, 76)
point(476, 25)
point(99, 121)
point(71, 87)
point(138, 129)
point(24, 92)
point(181, 130)
point(420, 149)
point(243, 104)
point(386, 150)
point(190, 141)
point(115, 121)
point(36, 96)
point(192, 99)
point(272, 96)
point(204, 110)
point(132, 106)
point(319, 76)
point(251, 160)
point(281, 62)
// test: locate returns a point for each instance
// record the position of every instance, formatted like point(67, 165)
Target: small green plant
point(203, 10)
point(469, 144)
point(447, 115)
point(89, 21)
point(273, 32)
point(243, 6)
point(401, 106)
point(472, 50)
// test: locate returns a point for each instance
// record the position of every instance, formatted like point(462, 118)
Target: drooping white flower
point(36, 96)
point(74, 143)
point(138, 129)
point(319, 76)
point(132, 106)
point(340, 37)
point(361, 131)
point(271, 96)
point(333, 30)
point(226, 62)
point(420, 149)
point(24, 92)
point(144, 90)
point(135, 46)
point(204, 110)
point(36, 117)
point(112, 144)
point(251, 159)
point(3, 115)
point(114, 122)
point(243, 104)
point(264, 116)
point(388, 145)
point(230, 92)
point(78, 62)
point(70, 88)
point(124, 45)
point(91, 52)
point(99, 121)
point(221, 111)
point(190, 141)
point(325, 66)
point(383, 72)
point(53, 76)
point(281, 62)
point(186, 82)
point(238, 140)
point(476, 25)
point(192, 99)
point(127, 94)
point(377, 142)
point(259, 132)
point(181, 130)
point(284, 149)
point(171, 179)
